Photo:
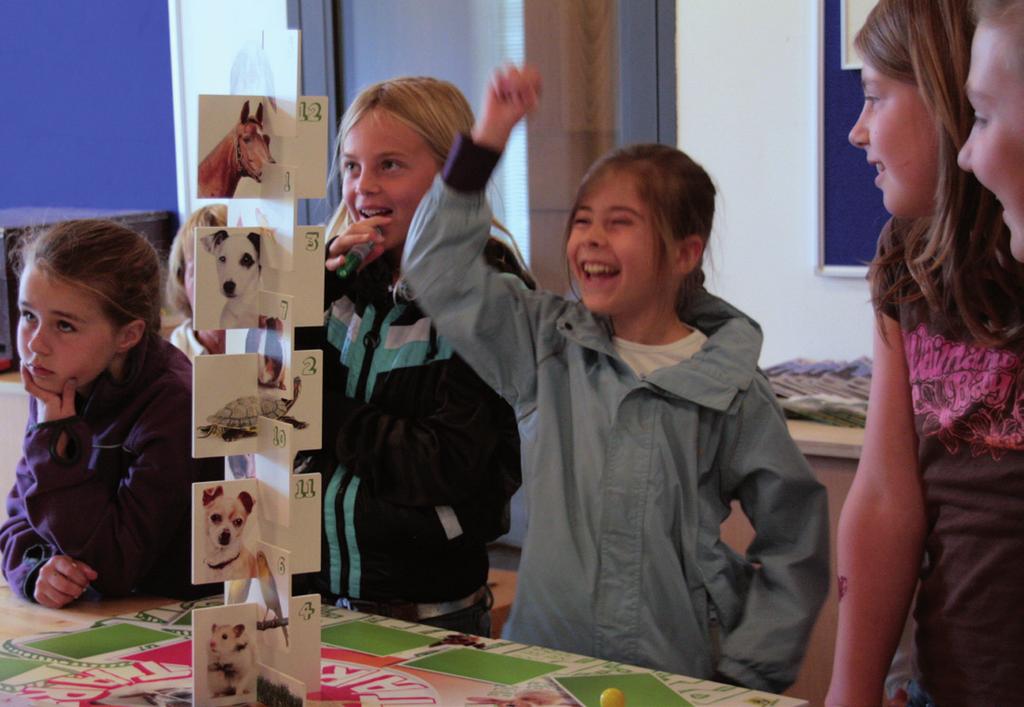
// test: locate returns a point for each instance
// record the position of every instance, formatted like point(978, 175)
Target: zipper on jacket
point(371, 340)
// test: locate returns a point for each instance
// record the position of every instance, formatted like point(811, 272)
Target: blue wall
point(86, 113)
point(853, 205)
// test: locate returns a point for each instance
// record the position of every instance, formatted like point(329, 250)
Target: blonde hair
point(677, 191)
point(957, 260)
point(116, 265)
point(434, 109)
point(182, 249)
point(1005, 14)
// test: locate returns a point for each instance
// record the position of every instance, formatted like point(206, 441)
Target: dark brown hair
point(678, 192)
point(956, 262)
point(115, 264)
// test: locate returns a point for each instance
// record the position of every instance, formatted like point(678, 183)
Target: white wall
point(205, 36)
point(748, 111)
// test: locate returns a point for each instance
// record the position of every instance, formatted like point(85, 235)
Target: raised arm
point(881, 533)
point(491, 318)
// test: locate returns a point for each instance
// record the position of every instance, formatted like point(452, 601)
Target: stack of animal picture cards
point(260, 403)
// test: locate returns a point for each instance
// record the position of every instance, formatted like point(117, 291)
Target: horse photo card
point(229, 264)
point(226, 405)
point(225, 530)
point(235, 146)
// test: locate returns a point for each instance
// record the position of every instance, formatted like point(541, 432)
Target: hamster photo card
point(234, 146)
point(302, 535)
point(274, 469)
point(228, 277)
point(225, 405)
point(308, 370)
point(302, 659)
point(225, 655)
point(225, 530)
point(309, 149)
point(305, 281)
point(276, 215)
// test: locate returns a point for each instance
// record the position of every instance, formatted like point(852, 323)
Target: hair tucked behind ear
point(958, 261)
point(677, 190)
point(117, 265)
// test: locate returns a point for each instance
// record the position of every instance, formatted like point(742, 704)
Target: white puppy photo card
point(228, 277)
point(225, 530)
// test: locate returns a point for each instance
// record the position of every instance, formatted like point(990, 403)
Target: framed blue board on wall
point(851, 206)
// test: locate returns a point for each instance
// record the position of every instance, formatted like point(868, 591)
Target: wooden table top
point(23, 618)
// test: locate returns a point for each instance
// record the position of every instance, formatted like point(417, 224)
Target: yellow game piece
point(613, 697)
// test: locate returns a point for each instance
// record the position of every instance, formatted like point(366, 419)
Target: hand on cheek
point(62, 580)
point(52, 406)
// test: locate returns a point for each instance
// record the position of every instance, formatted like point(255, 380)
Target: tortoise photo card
point(225, 405)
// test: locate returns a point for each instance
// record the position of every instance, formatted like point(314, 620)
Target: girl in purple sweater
point(102, 494)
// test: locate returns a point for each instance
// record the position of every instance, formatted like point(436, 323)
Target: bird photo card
point(302, 660)
point(270, 590)
point(225, 655)
point(225, 530)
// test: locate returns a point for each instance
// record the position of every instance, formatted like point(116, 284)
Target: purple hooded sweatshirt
point(121, 500)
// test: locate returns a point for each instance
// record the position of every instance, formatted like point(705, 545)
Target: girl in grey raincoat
point(642, 415)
